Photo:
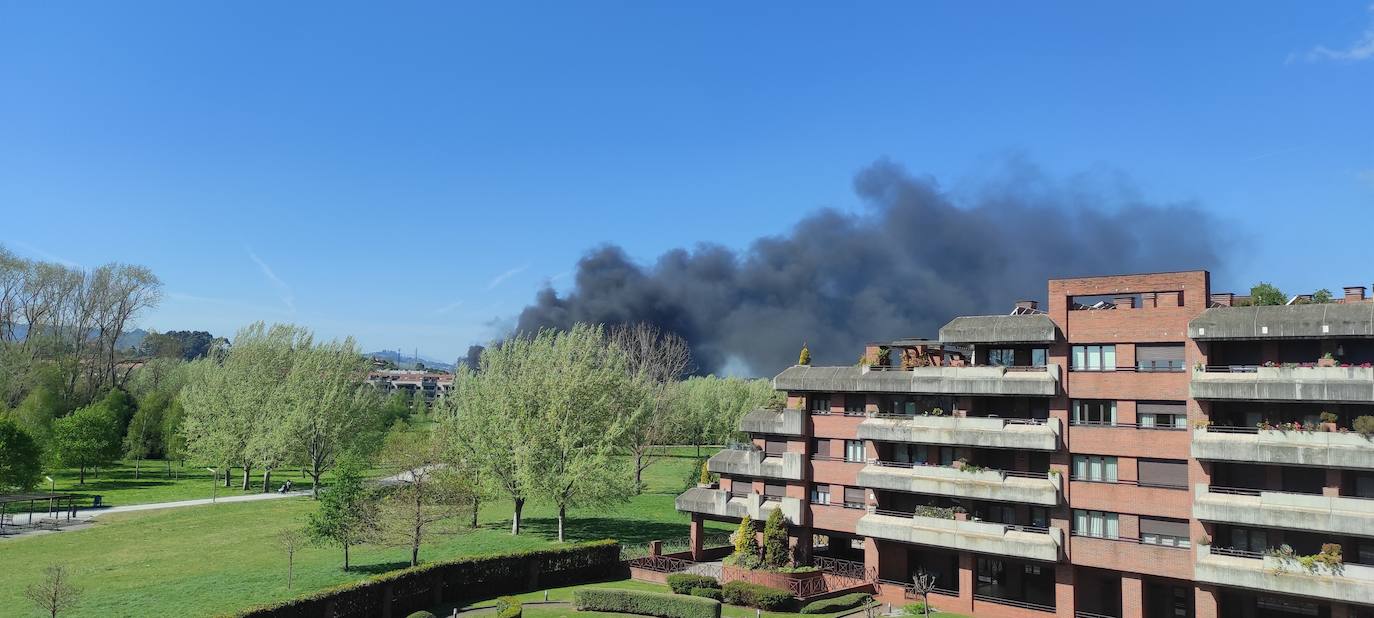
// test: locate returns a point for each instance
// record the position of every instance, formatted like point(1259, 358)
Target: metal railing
point(1234, 491)
point(1236, 553)
point(1079, 614)
point(1230, 368)
point(1114, 424)
point(1131, 482)
point(1168, 366)
point(1133, 541)
point(660, 564)
point(845, 568)
point(1014, 603)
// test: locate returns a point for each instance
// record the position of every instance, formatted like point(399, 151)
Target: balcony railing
point(1354, 583)
point(986, 380)
point(1031, 542)
point(988, 432)
point(1353, 515)
point(1284, 383)
point(1119, 425)
point(997, 485)
point(1284, 447)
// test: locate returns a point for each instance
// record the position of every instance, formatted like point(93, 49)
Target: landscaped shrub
point(914, 609)
point(422, 614)
point(646, 603)
point(710, 593)
point(775, 550)
point(754, 595)
point(1364, 425)
point(836, 604)
point(508, 607)
point(683, 583)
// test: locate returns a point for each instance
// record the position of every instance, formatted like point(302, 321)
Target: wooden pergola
point(58, 506)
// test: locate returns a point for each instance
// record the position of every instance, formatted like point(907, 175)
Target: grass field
point(212, 559)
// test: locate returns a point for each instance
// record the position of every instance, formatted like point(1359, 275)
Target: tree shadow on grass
point(581, 529)
point(378, 568)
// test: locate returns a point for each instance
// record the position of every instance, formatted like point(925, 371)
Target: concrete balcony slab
point(782, 422)
point(753, 463)
point(1332, 384)
point(1008, 381)
point(719, 503)
point(993, 485)
point(980, 432)
point(1292, 448)
point(1354, 585)
point(975, 536)
point(1277, 509)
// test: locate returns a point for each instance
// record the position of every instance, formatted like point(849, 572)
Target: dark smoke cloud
point(916, 258)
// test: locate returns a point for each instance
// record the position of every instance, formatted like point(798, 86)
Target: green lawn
point(566, 594)
point(206, 560)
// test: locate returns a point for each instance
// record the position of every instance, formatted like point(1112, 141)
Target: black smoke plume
point(915, 258)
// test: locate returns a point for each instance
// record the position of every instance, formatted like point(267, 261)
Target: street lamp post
point(214, 484)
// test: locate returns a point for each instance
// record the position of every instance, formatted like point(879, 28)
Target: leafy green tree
point(1266, 294)
point(426, 494)
point(775, 550)
point(395, 408)
point(20, 458)
point(746, 553)
point(1321, 296)
point(805, 357)
point(122, 405)
point(143, 439)
point(347, 513)
point(37, 412)
point(418, 405)
point(89, 437)
point(329, 411)
point(173, 441)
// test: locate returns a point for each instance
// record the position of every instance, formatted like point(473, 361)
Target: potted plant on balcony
point(1364, 425)
point(960, 513)
point(1328, 421)
point(1327, 360)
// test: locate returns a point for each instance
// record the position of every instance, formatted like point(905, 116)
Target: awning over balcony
point(1284, 322)
point(1026, 328)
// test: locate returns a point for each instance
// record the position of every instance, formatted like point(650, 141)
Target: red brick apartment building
point(1124, 453)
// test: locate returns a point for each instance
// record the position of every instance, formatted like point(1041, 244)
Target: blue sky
point(411, 174)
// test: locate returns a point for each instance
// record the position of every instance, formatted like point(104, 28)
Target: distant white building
point(432, 384)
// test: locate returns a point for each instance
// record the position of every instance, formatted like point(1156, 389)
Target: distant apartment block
point(1140, 447)
point(408, 381)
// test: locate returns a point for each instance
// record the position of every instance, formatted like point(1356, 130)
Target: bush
point(422, 614)
point(683, 583)
point(915, 609)
point(710, 593)
point(1364, 425)
point(837, 604)
point(754, 595)
point(646, 603)
point(508, 607)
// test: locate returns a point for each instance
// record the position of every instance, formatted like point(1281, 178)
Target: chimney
point(1028, 304)
point(1124, 302)
point(1225, 299)
point(1354, 293)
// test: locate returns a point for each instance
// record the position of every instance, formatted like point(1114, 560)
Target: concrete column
point(1333, 483)
point(871, 554)
point(1340, 610)
point(697, 532)
point(1205, 602)
point(1063, 590)
point(966, 584)
point(1132, 596)
point(655, 548)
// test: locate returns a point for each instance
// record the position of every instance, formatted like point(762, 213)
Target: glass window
point(1094, 468)
point(1095, 524)
point(1094, 358)
point(820, 404)
point(1002, 357)
point(854, 450)
point(1039, 357)
point(820, 494)
point(853, 404)
point(1094, 412)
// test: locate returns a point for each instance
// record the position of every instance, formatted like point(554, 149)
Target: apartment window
point(1249, 540)
point(820, 404)
point(854, 450)
point(821, 447)
point(774, 492)
point(1039, 357)
point(853, 405)
point(929, 454)
point(1161, 415)
point(1095, 524)
point(1094, 412)
point(820, 494)
point(906, 453)
point(774, 448)
point(1094, 468)
point(1159, 357)
point(741, 489)
point(1162, 473)
point(1165, 532)
point(1002, 357)
point(1093, 358)
point(854, 497)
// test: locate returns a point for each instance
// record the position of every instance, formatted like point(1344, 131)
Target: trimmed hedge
point(837, 604)
point(422, 614)
point(683, 583)
point(646, 603)
point(491, 574)
point(754, 595)
point(508, 607)
point(710, 593)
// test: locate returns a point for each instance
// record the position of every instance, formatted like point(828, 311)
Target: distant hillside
point(131, 339)
point(406, 361)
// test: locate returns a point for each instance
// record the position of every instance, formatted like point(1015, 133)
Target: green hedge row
point(508, 607)
point(837, 604)
point(754, 595)
point(646, 603)
point(710, 593)
point(490, 574)
point(683, 583)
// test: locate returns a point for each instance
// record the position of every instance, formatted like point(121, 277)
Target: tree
point(329, 412)
point(55, 593)
point(290, 541)
point(144, 436)
point(746, 552)
point(347, 514)
point(1321, 296)
point(20, 465)
point(173, 441)
point(923, 583)
point(1266, 294)
point(578, 415)
point(37, 412)
point(775, 550)
point(424, 493)
point(657, 359)
point(805, 357)
point(418, 406)
point(87, 438)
